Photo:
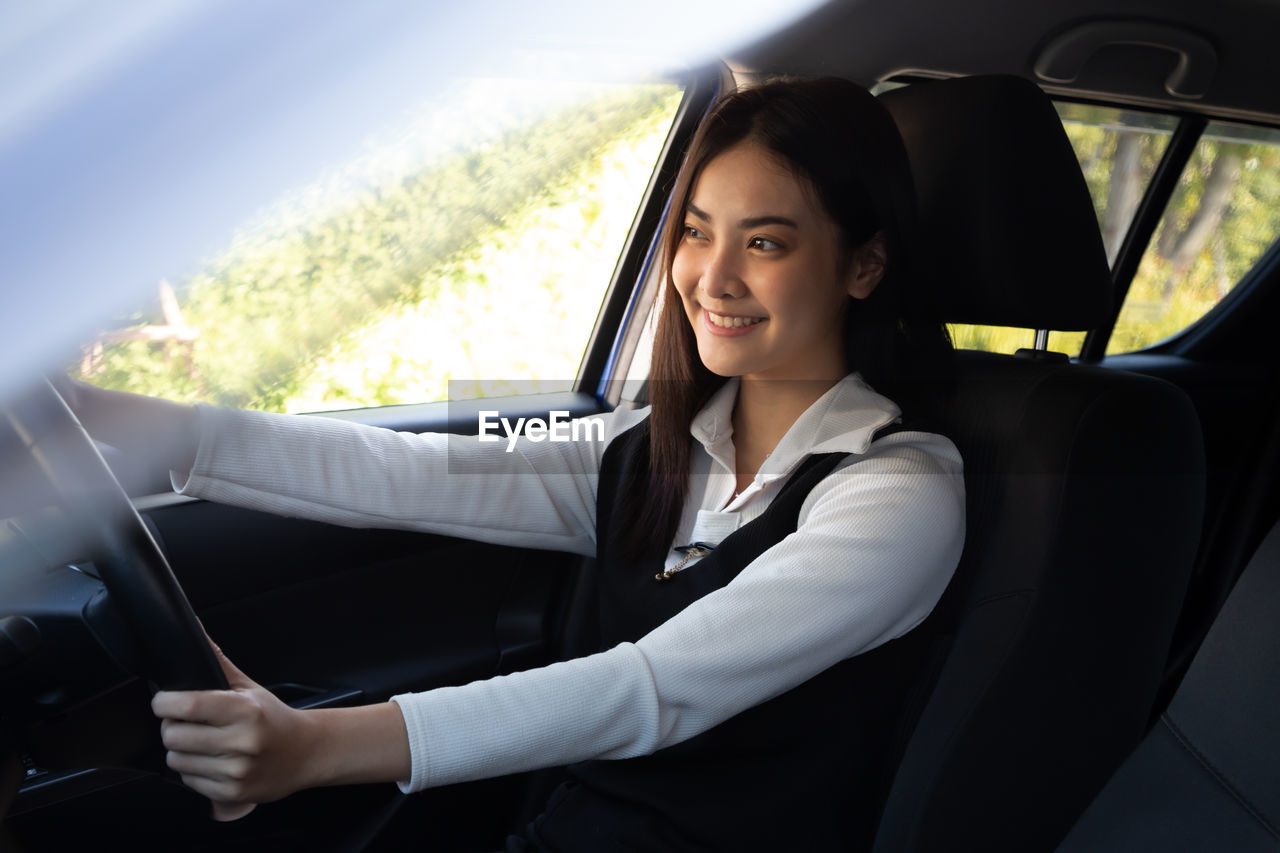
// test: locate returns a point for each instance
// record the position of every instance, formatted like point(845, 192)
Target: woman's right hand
point(162, 432)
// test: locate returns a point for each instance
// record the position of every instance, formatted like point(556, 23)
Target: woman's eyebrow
point(757, 221)
point(698, 212)
point(749, 222)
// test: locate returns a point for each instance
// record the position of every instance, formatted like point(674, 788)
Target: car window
point(1118, 152)
point(466, 251)
point(1223, 216)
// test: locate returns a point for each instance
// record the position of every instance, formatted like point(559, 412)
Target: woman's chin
point(721, 366)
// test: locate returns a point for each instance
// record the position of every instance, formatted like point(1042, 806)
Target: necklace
point(691, 552)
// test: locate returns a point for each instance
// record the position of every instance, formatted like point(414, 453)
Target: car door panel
point(284, 597)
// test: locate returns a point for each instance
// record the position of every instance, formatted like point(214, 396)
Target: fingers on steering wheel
point(193, 738)
point(211, 707)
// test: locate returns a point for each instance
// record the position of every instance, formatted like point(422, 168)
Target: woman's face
point(759, 271)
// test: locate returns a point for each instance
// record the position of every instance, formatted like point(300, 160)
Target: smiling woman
point(791, 263)
point(768, 616)
point(750, 220)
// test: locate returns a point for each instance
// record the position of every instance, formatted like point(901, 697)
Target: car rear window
point(1223, 216)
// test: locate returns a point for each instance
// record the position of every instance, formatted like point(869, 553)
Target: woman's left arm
point(876, 545)
point(243, 746)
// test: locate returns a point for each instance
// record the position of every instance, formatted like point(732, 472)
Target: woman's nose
point(722, 276)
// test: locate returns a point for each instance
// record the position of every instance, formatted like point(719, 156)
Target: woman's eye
point(764, 244)
point(692, 233)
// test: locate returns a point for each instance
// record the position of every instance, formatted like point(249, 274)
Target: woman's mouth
point(725, 324)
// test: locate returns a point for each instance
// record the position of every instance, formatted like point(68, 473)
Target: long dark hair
point(843, 143)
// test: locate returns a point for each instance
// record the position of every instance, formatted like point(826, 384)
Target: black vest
point(802, 771)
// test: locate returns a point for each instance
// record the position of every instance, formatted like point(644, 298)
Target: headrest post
point(1040, 350)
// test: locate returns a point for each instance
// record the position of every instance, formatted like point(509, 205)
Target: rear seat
point(1207, 777)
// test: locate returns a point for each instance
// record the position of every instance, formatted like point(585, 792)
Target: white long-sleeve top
point(875, 545)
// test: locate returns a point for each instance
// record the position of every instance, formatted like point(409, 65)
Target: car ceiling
point(870, 40)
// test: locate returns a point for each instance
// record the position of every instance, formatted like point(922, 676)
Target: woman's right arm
point(537, 495)
point(148, 430)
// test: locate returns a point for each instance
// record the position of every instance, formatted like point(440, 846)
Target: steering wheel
point(175, 654)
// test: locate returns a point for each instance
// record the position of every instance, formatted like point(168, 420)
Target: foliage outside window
point(1222, 217)
point(477, 243)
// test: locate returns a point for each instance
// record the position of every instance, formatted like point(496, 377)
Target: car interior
point(1102, 668)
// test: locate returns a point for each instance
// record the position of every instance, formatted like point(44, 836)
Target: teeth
point(732, 322)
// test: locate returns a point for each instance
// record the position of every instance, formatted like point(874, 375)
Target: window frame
point(1155, 200)
point(631, 293)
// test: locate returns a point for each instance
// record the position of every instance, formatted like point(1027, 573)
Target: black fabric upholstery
point(1085, 494)
point(1207, 777)
point(1084, 497)
point(1011, 238)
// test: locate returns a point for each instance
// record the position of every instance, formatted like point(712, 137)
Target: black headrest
point(1009, 236)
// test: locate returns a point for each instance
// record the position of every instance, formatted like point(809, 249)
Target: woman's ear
point(867, 267)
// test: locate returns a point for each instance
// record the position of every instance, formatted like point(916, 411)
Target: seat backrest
point(1085, 491)
point(1207, 777)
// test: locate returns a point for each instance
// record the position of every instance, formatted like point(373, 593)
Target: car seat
point(1085, 491)
point(1207, 776)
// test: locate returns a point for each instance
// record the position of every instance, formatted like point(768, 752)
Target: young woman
point(767, 538)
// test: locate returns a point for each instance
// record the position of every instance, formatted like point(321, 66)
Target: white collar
point(843, 420)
